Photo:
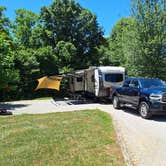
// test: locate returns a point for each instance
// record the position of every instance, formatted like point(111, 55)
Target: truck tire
point(144, 110)
point(116, 102)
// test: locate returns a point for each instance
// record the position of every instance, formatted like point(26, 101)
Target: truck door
point(134, 92)
point(123, 93)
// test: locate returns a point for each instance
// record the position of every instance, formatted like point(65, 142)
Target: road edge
point(122, 144)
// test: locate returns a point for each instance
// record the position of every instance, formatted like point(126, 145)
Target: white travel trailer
point(96, 81)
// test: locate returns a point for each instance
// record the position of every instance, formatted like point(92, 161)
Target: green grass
point(82, 138)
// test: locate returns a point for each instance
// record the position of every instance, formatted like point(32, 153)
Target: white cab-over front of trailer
point(112, 76)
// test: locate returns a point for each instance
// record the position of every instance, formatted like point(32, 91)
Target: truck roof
point(141, 78)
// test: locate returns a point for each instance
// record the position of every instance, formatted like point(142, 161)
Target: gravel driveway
point(145, 139)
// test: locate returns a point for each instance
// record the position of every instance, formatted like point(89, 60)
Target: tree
point(7, 70)
point(66, 20)
point(24, 25)
point(64, 52)
point(27, 65)
point(118, 40)
point(48, 62)
point(104, 54)
point(121, 49)
point(151, 37)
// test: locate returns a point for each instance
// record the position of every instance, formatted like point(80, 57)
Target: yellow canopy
point(52, 82)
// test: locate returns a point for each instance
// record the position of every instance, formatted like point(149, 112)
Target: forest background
point(65, 37)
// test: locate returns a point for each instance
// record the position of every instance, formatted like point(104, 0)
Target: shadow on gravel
point(12, 106)
point(87, 101)
point(131, 111)
point(69, 101)
point(159, 118)
point(77, 102)
point(104, 102)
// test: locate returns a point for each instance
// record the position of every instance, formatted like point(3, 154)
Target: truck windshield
point(114, 77)
point(147, 83)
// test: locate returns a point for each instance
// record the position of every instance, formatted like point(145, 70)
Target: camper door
point(92, 82)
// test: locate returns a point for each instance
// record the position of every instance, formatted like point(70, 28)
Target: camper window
point(79, 79)
point(114, 77)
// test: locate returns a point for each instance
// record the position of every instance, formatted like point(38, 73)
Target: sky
point(108, 11)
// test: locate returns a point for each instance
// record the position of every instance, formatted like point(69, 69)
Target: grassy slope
point(74, 138)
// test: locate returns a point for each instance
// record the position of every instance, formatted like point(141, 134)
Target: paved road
point(145, 139)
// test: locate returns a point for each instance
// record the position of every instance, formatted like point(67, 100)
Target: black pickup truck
point(146, 95)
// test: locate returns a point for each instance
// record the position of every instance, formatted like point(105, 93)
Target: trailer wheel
point(116, 102)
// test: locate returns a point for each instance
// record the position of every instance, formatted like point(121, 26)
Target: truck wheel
point(116, 102)
point(144, 110)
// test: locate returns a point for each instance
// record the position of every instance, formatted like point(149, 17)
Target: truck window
point(135, 82)
point(147, 83)
point(126, 83)
point(114, 77)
